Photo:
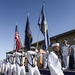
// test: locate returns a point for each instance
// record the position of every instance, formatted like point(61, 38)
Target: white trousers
point(33, 70)
point(7, 69)
point(66, 61)
point(13, 69)
point(3, 68)
point(45, 61)
point(20, 70)
point(0, 69)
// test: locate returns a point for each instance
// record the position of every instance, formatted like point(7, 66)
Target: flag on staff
point(43, 27)
point(28, 35)
point(17, 38)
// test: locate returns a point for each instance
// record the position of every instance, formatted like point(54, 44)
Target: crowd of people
point(13, 64)
point(68, 55)
point(59, 59)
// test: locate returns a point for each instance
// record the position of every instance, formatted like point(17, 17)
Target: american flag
point(17, 38)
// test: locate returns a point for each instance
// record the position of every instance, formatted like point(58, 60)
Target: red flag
point(17, 38)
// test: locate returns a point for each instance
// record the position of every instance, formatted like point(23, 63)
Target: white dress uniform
point(45, 59)
point(65, 54)
point(73, 47)
point(12, 65)
point(3, 66)
point(54, 64)
point(32, 63)
point(7, 67)
point(0, 65)
point(20, 68)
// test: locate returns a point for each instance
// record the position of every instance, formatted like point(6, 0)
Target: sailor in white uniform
point(12, 65)
point(65, 53)
point(32, 63)
point(54, 61)
point(7, 67)
point(3, 65)
point(45, 59)
point(0, 65)
point(39, 58)
point(20, 68)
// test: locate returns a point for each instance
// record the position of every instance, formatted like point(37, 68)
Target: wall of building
point(67, 35)
point(70, 37)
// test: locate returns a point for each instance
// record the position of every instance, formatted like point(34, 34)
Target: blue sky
point(60, 15)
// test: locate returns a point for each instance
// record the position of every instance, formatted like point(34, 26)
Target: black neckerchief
point(32, 58)
point(12, 61)
point(58, 54)
point(59, 57)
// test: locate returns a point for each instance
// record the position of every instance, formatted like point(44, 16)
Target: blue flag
point(28, 35)
point(43, 27)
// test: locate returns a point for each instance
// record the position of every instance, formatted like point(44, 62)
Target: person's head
point(32, 48)
point(55, 47)
point(20, 51)
point(65, 42)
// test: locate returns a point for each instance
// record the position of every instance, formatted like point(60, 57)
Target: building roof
point(63, 34)
point(59, 35)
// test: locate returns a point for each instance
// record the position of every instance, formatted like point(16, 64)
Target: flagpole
point(39, 29)
point(24, 45)
point(38, 37)
point(14, 42)
point(14, 48)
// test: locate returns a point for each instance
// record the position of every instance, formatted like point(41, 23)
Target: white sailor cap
point(31, 52)
point(17, 53)
point(55, 44)
point(65, 40)
point(20, 50)
point(32, 48)
point(9, 54)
